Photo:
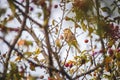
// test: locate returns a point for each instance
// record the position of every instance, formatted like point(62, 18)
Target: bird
point(70, 38)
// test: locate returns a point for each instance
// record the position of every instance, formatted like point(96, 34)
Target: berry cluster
point(69, 64)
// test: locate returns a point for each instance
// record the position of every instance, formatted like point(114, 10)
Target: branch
point(14, 42)
point(47, 12)
point(46, 17)
point(88, 72)
point(37, 23)
point(20, 53)
point(100, 35)
point(32, 33)
point(38, 42)
point(38, 65)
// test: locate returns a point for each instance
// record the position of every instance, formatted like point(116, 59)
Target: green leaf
point(12, 6)
point(32, 67)
point(53, 22)
point(84, 27)
point(106, 9)
point(37, 51)
point(28, 54)
point(28, 43)
point(2, 11)
point(13, 65)
point(90, 30)
point(39, 14)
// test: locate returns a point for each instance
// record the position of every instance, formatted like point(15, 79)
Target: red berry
point(70, 65)
point(118, 50)
point(110, 51)
point(94, 53)
point(86, 41)
point(101, 51)
point(31, 9)
point(4, 55)
point(94, 74)
point(55, 6)
point(50, 78)
point(66, 65)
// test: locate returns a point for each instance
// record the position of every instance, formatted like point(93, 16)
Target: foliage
point(89, 50)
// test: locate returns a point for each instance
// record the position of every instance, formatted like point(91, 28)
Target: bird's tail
point(78, 49)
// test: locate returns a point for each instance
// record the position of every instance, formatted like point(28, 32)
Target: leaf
point(71, 62)
point(37, 51)
point(2, 11)
point(84, 27)
point(10, 18)
point(118, 56)
point(57, 42)
point(71, 71)
point(108, 60)
point(18, 58)
point(106, 76)
point(106, 9)
point(118, 63)
point(36, 58)
point(111, 42)
point(83, 52)
point(21, 42)
point(42, 60)
point(28, 43)
point(53, 22)
point(107, 67)
point(90, 30)
point(25, 42)
point(28, 53)
point(76, 25)
point(67, 18)
point(76, 57)
point(32, 67)
point(39, 14)
point(12, 6)
point(13, 65)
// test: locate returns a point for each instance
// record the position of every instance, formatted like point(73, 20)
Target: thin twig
point(29, 17)
point(32, 33)
point(88, 72)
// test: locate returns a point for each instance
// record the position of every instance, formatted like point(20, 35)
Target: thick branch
point(14, 43)
point(46, 12)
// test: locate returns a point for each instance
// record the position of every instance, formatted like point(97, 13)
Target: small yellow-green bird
point(70, 39)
